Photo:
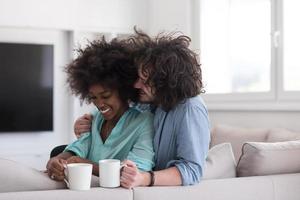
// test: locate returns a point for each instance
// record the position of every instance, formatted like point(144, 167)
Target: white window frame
point(276, 98)
point(283, 95)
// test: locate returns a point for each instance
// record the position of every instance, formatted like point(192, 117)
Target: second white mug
point(109, 173)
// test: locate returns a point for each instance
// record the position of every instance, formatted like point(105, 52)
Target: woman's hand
point(55, 168)
point(77, 159)
point(83, 124)
point(132, 177)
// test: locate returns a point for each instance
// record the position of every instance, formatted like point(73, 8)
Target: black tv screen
point(26, 87)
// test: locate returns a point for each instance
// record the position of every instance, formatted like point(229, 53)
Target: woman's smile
point(104, 110)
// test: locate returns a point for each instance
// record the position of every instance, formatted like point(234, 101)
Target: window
point(249, 49)
point(291, 38)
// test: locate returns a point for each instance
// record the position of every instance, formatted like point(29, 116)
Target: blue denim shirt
point(182, 138)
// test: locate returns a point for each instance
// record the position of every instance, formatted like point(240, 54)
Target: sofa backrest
point(238, 136)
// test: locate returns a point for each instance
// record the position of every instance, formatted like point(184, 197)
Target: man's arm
point(192, 141)
point(83, 124)
point(132, 177)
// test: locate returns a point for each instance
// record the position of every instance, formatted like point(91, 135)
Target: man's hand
point(83, 124)
point(132, 177)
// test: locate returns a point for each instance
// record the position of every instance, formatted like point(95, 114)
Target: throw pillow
point(220, 162)
point(259, 158)
point(281, 135)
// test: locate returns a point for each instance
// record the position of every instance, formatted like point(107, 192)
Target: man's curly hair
point(107, 63)
point(173, 69)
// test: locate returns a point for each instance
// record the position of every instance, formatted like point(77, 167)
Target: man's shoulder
point(191, 103)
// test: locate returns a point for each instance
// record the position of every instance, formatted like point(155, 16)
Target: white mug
point(78, 176)
point(109, 173)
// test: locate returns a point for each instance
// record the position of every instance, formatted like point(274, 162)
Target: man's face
point(146, 92)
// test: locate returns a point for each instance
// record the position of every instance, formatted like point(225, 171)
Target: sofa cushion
point(236, 136)
point(281, 135)
point(260, 158)
point(220, 162)
point(247, 188)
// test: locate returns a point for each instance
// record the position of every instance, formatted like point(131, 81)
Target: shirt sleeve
point(142, 152)
point(192, 141)
point(81, 146)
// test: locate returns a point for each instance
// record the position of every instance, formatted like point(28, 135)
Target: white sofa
point(270, 187)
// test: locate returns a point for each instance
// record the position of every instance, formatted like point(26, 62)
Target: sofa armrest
point(65, 194)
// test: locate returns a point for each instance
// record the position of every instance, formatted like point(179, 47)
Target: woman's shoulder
point(142, 120)
point(140, 115)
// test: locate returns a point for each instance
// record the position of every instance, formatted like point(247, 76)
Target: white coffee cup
point(109, 173)
point(78, 176)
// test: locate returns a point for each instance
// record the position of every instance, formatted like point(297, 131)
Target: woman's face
point(107, 101)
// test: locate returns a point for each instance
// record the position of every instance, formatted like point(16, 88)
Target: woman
point(104, 74)
point(170, 80)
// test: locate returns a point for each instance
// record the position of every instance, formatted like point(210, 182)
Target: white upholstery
point(273, 187)
point(16, 177)
point(247, 188)
point(269, 158)
point(63, 194)
point(220, 162)
point(238, 136)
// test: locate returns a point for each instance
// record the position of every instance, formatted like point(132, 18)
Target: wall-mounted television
point(26, 87)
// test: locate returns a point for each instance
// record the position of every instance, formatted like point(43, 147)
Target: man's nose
point(138, 84)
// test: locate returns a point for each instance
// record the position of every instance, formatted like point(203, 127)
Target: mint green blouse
point(131, 138)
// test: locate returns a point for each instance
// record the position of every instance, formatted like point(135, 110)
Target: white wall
point(175, 15)
point(254, 119)
point(119, 15)
point(35, 20)
point(169, 15)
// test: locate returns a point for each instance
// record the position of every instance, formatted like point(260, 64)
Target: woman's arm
point(56, 165)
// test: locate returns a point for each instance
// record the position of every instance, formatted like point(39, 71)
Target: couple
point(172, 138)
